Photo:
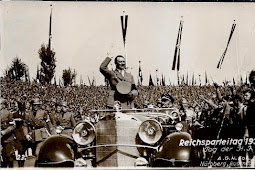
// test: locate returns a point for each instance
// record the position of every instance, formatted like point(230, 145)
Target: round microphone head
point(84, 133)
point(150, 131)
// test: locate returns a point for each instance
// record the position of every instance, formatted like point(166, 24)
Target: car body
point(132, 137)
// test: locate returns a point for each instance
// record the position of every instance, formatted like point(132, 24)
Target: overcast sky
point(83, 33)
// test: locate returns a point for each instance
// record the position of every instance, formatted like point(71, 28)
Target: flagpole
point(50, 35)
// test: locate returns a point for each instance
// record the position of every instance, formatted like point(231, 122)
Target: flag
point(94, 81)
point(138, 82)
point(193, 80)
point(187, 79)
point(74, 77)
point(178, 79)
point(206, 81)
point(183, 80)
point(163, 81)
point(37, 74)
point(157, 79)
point(170, 82)
point(177, 48)
point(81, 81)
point(199, 80)
point(124, 27)
point(150, 81)
point(234, 82)
point(241, 81)
point(89, 81)
point(224, 53)
point(55, 83)
point(50, 35)
point(140, 75)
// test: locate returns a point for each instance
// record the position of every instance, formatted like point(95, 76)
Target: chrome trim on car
point(128, 145)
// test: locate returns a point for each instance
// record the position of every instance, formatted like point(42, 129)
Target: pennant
point(50, 35)
point(178, 79)
point(124, 27)
point(55, 81)
point(90, 83)
point(140, 75)
point(163, 80)
point(138, 82)
point(150, 81)
point(241, 81)
point(94, 81)
point(199, 80)
point(206, 80)
point(177, 48)
point(37, 73)
point(187, 79)
point(224, 53)
point(183, 80)
point(193, 80)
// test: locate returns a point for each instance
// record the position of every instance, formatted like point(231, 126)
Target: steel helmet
point(57, 151)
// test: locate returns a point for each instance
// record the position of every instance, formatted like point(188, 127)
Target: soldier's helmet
point(57, 151)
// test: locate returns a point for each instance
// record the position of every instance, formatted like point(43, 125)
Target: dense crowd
point(218, 109)
point(86, 98)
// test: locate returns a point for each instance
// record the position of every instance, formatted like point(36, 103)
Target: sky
point(84, 32)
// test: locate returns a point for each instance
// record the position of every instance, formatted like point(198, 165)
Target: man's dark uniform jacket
point(66, 120)
point(114, 77)
point(39, 126)
point(7, 140)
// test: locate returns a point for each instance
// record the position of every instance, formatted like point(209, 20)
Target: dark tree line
point(19, 70)
point(48, 64)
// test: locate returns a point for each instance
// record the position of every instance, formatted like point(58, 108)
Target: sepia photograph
point(127, 84)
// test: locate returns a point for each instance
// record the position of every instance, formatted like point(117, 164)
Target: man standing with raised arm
point(123, 88)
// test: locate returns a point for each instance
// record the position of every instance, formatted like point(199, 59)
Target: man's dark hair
point(252, 73)
point(115, 60)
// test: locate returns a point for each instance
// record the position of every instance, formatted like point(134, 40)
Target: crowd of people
point(225, 111)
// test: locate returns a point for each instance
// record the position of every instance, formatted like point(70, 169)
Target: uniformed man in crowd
point(123, 88)
point(249, 118)
point(7, 140)
point(22, 135)
point(63, 119)
point(40, 124)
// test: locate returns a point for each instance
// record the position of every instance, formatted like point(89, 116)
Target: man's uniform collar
point(122, 72)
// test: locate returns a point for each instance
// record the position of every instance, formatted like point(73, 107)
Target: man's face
point(121, 63)
point(58, 109)
point(61, 109)
point(247, 96)
point(36, 107)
